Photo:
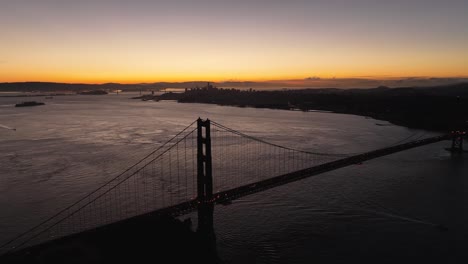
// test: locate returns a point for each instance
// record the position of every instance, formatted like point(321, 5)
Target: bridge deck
point(232, 194)
point(241, 191)
point(235, 193)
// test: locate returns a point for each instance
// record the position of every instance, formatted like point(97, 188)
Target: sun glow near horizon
point(175, 41)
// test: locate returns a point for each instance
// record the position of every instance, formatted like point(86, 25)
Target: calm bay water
point(384, 210)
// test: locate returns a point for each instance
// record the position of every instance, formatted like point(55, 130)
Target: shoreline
point(439, 110)
point(34, 95)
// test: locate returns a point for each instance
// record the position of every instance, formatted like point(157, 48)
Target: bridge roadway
point(225, 197)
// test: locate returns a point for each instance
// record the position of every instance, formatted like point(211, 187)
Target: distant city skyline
point(140, 41)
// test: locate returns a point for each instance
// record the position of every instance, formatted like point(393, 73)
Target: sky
point(135, 41)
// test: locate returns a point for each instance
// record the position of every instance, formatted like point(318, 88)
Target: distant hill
point(94, 92)
point(442, 108)
point(71, 87)
point(79, 87)
point(458, 89)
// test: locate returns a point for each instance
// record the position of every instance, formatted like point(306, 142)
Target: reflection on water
point(64, 149)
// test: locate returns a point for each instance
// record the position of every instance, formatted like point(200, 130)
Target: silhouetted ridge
point(434, 108)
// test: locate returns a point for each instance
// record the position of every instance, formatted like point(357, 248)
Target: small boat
point(30, 103)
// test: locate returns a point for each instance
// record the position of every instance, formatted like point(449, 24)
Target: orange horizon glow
point(178, 41)
point(274, 78)
point(128, 77)
point(170, 64)
point(219, 80)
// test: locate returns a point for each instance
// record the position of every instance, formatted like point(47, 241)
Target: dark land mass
point(78, 87)
point(441, 108)
point(148, 97)
point(72, 87)
point(29, 103)
point(316, 82)
point(148, 239)
point(94, 92)
point(49, 95)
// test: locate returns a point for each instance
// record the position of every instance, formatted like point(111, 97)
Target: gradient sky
point(180, 40)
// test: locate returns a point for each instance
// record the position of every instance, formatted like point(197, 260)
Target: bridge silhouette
point(184, 175)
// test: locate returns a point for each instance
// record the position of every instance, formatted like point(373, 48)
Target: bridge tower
point(204, 178)
point(457, 141)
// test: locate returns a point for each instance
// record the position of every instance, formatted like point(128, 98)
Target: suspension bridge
point(184, 175)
